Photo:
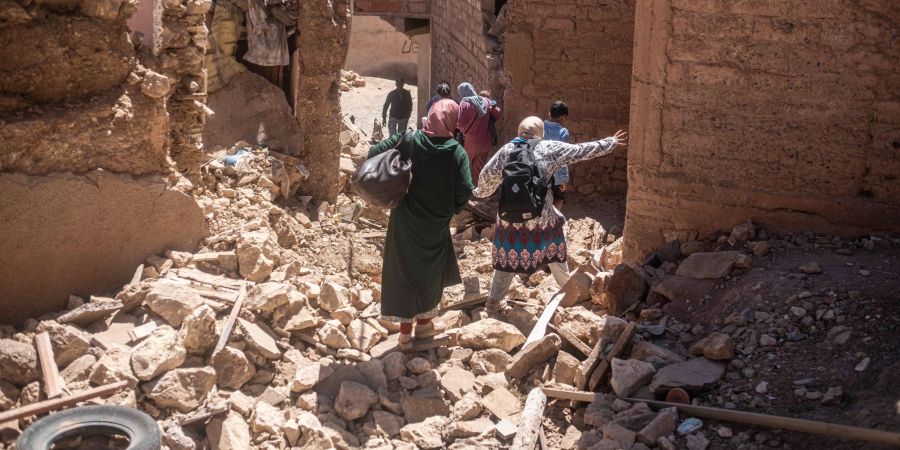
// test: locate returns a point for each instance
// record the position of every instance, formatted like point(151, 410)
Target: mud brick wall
point(787, 113)
point(324, 35)
point(460, 49)
point(579, 52)
point(180, 44)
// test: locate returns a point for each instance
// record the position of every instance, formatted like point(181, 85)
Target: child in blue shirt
point(555, 131)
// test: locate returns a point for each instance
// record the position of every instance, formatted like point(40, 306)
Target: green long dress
point(419, 261)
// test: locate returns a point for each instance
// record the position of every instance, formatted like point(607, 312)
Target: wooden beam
point(232, 317)
point(617, 349)
point(766, 420)
point(540, 328)
point(203, 415)
point(62, 402)
point(468, 303)
point(53, 383)
point(529, 431)
point(572, 339)
point(586, 368)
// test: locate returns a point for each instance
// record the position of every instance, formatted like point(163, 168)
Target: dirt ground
point(365, 103)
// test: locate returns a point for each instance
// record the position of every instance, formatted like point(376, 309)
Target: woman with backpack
point(476, 115)
point(418, 258)
point(529, 232)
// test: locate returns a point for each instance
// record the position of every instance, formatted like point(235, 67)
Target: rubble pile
point(351, 79)
point(308, 364)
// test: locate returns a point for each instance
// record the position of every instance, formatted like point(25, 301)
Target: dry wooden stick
point(540, 328)
point(232, 317)
point(62, 402)
point(475, 301)
point(586, 368)
point(53, 383)
point(530, 425)
point(617, 349)
point(766, 420)
point(572, 339)
point(203, 415)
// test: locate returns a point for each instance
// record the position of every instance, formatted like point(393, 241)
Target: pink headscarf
point(441, 119)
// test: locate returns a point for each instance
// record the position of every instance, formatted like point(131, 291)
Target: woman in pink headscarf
point(419, 261)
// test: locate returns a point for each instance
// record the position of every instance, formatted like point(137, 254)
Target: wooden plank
point(766, 420)
point(203, 415)
point(529, 431)
point(202, 277)
point(468, 303)
point(540, 328)
point(53, 383)
point(586, 368)
point(617, 349)
point(572, 339)
point(232, 317)
point(62, 402)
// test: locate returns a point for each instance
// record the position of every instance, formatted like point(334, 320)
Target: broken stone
point(173, 301)
point(620, 434)
point(362, 336)
point(198, 330)
point(693, 376)
point(68, 342)
point(457, 383)
point(394, 365)
point(154, 85)
point(256, 255)
point(230, 433)
point(301, 321)
point(627, 286)
point(158, 353)
point(333, 297)
point(707, 265)
point(18, 362)
point(309, 374)
point(810, 268)
point(565, 368)
point(114, 366)
point(467, 408)
point(502, 403)
point(260, 338)
point(533, 354)
point(233, 369)
point(79, 371)
point(489, 361)
point(333, 336)
point(468, 428)
point(267, 419)
point(354, 400)
point(741, 234)
point(697, 441)
point(645, 351)
point(662, 425)
point(89, 313)
point(577, 289)
point(599, 412)
point(833, 396)
point(718, 346)
point(490, 333)
point(387, 423)
point(266, 297)
point(629, 375)
point(182, 389)
point(636, 417)
point(345, 315)
point(425, 435)
point(587, 326)
point(767, 341)
point(422, 404)
point(9, 395)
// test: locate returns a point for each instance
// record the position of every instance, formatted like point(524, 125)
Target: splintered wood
point(617, 349)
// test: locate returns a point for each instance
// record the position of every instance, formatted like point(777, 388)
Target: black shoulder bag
point(383, 180)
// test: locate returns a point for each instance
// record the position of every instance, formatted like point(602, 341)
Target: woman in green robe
point(419, 261)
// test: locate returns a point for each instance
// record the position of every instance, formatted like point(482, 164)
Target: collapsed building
point(171, 154)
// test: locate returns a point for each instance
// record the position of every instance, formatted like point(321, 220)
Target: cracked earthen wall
point(787, 113)
point(324, 37)
point(84, 141)
point(579, 52)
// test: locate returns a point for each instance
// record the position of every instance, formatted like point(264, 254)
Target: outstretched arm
point(384, 145)
point(558, 154)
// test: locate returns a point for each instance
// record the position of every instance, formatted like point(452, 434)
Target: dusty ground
point(365, 103)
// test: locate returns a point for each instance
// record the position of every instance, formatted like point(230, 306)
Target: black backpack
point(523, 189)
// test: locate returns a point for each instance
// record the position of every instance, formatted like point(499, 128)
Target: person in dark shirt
point(399, 101)
point(443, 92)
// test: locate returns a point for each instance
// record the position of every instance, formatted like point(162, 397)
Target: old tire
point(140, 428)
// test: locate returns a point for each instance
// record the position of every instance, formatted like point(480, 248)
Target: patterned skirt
point(528, 247)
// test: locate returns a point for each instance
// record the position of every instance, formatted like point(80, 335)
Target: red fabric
point(478, 138)
point(406, 328)
point(423, 321)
